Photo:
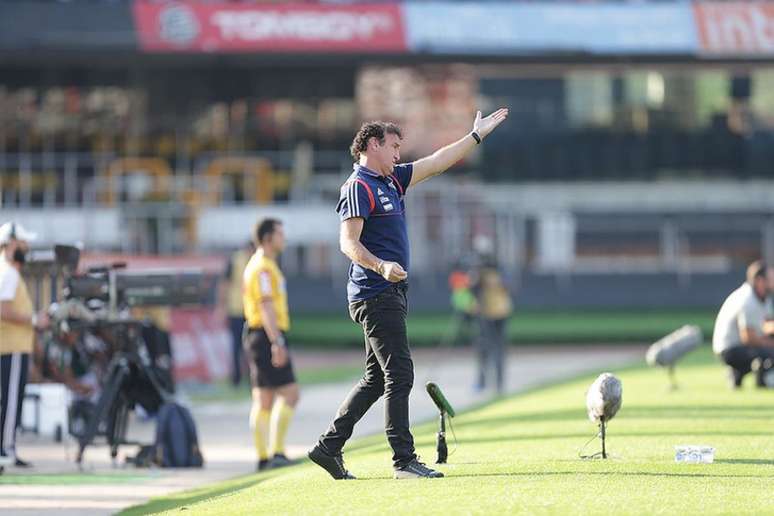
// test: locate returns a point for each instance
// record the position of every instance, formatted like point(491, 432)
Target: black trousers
point(742, 357)
point(491, 352)
point(13, 379)
point(389, 372)
point(235, 325)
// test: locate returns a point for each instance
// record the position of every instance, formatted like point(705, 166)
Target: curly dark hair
point(375, 129)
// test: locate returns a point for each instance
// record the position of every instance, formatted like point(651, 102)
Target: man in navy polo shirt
point(373, 235)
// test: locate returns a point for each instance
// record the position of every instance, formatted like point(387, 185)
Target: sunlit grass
point(521, 455)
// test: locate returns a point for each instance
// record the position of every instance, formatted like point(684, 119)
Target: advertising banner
point(712, 29)
point(288, 28)
point(735, 28)
point(508, 28)
point(201, 345)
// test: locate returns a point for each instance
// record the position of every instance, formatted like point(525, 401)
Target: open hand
point(484, 126)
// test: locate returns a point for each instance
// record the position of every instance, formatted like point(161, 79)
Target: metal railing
point(682, 227)
point(56, 179)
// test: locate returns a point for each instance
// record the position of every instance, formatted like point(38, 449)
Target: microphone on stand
point(445, 408)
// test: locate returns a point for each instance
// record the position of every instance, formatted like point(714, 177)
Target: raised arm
point(445, 157)
point(349, 241)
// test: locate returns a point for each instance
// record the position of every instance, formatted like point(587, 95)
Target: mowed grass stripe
point(520, 455)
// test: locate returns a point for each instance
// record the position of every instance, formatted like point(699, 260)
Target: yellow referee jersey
point(263, 280)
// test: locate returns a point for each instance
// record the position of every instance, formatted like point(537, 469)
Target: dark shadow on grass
point(386, 477)
point(585, 435)
point(198, 495)
point(764, 462)
point(704, 411)
point(666, 412)
point(581, 473)
point(608, 473)
point(429, 440)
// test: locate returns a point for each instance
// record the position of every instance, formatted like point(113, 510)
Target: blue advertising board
point(507, 28)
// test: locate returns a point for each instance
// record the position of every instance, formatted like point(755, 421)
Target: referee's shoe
point(416, 469)
point(333, 464)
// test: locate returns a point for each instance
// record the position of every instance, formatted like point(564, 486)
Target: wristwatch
point(476, 137)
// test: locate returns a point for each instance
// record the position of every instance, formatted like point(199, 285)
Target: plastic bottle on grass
point(693, 454)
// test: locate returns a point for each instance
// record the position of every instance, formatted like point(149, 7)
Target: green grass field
point(527, 327)
point(521, 455)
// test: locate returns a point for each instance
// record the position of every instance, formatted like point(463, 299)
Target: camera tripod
point(119, 395)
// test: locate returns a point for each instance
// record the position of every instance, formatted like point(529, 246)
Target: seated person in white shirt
point(744, 333)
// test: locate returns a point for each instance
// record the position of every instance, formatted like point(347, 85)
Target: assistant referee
point(373, 235)
point(274, 389)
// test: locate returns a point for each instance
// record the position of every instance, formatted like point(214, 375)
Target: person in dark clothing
point(232, 298)
point(494, 308)
point(373, 235)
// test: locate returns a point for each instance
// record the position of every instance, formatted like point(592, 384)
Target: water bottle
point(707, 454)
point(692, 454)
point(679, 453)
point(686, 454)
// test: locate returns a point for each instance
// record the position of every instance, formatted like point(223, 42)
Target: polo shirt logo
point(384, 199)
point(388, 206)
point(379, 191)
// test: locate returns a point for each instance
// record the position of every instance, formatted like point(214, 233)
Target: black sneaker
point(735, 377)
point(22, 463)
point(416, 469)
point(280, 460)
point(762, 368)
point(263, 465)
point(333, 464)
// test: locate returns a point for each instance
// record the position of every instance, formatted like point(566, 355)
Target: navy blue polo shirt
point(378, 200)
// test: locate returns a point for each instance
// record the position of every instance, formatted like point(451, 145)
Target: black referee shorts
point(263, 374)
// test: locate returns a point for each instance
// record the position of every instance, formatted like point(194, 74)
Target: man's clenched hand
point(391, 271)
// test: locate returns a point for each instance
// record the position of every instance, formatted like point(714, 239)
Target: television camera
point(134, 359)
